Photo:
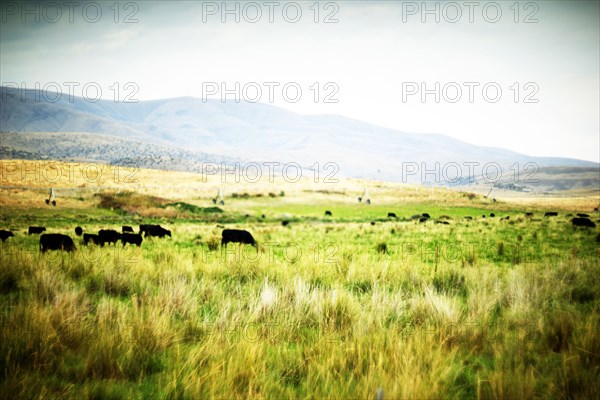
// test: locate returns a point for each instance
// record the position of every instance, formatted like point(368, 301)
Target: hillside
point(247, 131)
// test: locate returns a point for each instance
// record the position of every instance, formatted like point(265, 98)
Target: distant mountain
point(258, 132)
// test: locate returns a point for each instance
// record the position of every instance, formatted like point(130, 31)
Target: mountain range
point(192, 131)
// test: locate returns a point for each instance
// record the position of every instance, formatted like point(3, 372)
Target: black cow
point(483, 216)
point(392, 215)
point(144, 228)
point(109, 236)
point(423, 219)
point(126, 228)
point(372, 223)
point(91, 237)
point(492, 215)
point(157, 231)
point(36, 230)
point(328, 213)
point(5, 234)
point(56, 241)
point(585, 222)
point(582, 215)
point(285, 223)
point(78, 231)
point(426, 215)
point(551, 214)
point(131, 238)
point(237, 236)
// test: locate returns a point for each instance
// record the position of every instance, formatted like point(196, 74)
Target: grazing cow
point(126, 228)
point(145, 227)
point(263, 216)
point(551, 214)
point(423, 219)
point(78, 231)
point(131, 238)
point(109, 236)
point(426, 215)
point(585, 222)
point(285, 223)
point(328, 213)
point(582, 215)
point(483, 216)
point(56, 241)
point(237, 236)
point(372, 223)
point(36, 230)
point(392, 215)
point(492, 215)
point(158, 231)
point(529, 214)
point(5, 234)
point(92, 237)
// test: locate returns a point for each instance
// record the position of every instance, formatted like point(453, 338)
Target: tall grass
point(323, 309)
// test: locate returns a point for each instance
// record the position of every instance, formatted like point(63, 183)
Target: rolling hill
point(192, 130)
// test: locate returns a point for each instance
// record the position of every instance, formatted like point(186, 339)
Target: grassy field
point(327, 307)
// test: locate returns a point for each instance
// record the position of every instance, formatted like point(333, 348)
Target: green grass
point(328, 307)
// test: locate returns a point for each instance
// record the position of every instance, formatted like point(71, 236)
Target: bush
point(213, 243)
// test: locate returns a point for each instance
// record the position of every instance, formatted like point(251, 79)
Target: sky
point(517, 75)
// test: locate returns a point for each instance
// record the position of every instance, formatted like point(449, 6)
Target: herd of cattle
point(58, 241)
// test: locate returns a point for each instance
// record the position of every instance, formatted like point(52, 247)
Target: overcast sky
point(377, 57)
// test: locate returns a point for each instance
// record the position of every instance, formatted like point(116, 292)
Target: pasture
point(327, 307)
